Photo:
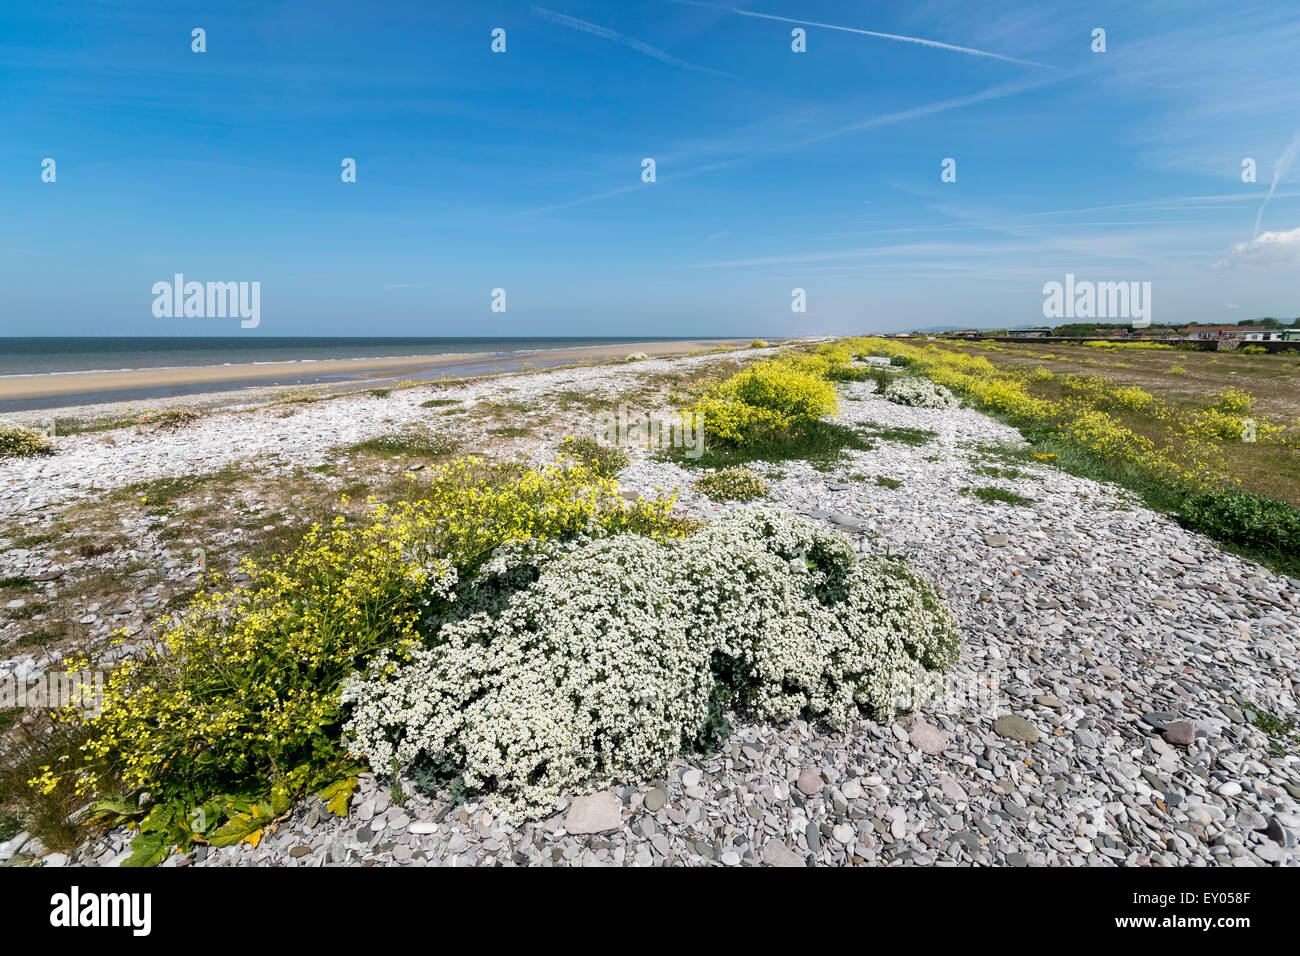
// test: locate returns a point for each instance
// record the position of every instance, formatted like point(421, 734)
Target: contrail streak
point(921, 41)
point(1280, 169)
point(608, 34)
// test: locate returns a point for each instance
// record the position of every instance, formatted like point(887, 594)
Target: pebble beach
point(1106, 709)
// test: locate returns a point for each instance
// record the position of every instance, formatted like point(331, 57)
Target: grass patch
point(824, 445)
point(990, 494)
point(31, 745)
point(732, 484)
point(511, 431)
point(897, 434)
point(884, 482)
point(998, 471)
point(405, 445)
point(440, 402)
point(601, 459)
point(161, 492)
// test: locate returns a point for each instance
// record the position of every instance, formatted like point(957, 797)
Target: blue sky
point(522, 170)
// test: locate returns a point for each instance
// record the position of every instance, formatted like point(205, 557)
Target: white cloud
point(1266, 249)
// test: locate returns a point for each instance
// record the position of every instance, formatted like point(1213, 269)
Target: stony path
point(1103, 710)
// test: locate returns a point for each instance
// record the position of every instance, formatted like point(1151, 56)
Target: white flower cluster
point(919, 393)
point(565, 667)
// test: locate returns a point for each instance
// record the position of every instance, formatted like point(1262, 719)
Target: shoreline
point(1078, 610)
point(90, 393)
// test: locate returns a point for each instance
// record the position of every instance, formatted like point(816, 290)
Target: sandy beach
point(415, 366)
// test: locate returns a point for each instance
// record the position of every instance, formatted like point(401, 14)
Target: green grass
point(884, 482)
point(161, 492)
point(1202, 512)
point(601, 459)
point(30, 746)
point(997, 471)
point(1284, 733)
point(897, 434)
point(405, 445)
point(73, 426)
point(990, 494)
point(440, 402)
point(824, 445)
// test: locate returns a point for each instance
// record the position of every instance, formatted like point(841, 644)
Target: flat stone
point(594, 813)
point(777, 854)
point(1181, 733)
point(928, 738)
point(951, 788)
point(809, 782)
point(1015, 728)
point(997, 540)
point(655, 800)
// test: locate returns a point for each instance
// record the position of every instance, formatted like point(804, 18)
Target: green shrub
point(18, 442)
point(1248, 521)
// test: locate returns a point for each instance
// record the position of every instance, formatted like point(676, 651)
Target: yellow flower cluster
point(777, 398)
point(1141, 346)
point(1122, 424)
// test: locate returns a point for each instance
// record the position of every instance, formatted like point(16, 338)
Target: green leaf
point(118, 805)
point(338, 794)
point(235, 829)
point(147, 849)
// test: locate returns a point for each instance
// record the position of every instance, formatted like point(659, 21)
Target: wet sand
point(78, 388)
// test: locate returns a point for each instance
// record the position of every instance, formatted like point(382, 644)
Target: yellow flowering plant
point(237, 709)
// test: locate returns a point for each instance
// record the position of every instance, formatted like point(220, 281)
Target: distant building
point(1029, 333)
point(1249, 333)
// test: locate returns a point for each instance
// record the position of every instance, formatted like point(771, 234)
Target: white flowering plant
point(564, 665)
point(919, 393)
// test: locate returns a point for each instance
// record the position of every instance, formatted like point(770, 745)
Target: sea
point(64, 355)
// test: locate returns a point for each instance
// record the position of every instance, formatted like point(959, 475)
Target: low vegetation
point(732, 484)
point(759, 612)
point(18, 442)
point(1216, 460)
point(601, 459)
point(237, 711)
